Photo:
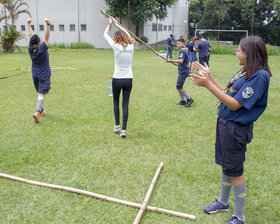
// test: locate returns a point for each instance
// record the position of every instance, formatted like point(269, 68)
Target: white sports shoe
point(123, 133)
point(117, 128)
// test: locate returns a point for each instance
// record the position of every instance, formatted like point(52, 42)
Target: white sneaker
point(123, 133)
point(117, 128)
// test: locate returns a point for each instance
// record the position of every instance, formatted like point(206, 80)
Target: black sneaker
point(182, 102)
point(189, 102)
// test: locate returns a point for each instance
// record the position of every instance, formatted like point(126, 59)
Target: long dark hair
point(256, 55)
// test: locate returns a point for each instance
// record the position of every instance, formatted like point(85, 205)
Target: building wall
point(86, 12)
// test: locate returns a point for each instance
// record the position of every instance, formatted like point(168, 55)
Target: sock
point(187, 95)
point(40, 104)
point(225, 189)
point(182, 97)
point(239, 201)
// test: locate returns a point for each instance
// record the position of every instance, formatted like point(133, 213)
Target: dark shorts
point(230, 147)
point(203, 59)
point(181, 80)
point(42, 85)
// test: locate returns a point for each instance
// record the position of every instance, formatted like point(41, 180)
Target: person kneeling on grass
point(241, 103)
point(183, 73)
point(41, 71)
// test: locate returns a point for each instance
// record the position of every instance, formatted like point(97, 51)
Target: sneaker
point(215, 207)
point(117, 128)
point(182, 102)
point(43, 113)
point(189, 102)
point(36, 117)
point(235, 220)
point(123, 133)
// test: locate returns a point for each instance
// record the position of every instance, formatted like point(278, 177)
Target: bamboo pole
point(137, 38)
point(148, 195)
point(99, 196)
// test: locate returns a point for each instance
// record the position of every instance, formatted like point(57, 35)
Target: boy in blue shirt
point(170, 44)
point(41, 71)
point(203, 49)
point(242, 102)
point(183, 73)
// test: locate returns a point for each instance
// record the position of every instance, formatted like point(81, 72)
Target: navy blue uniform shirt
point(40, 62)
point(190, 46)
point(252, 94)
point(203, 46)
point(183, 68)
point(169, 41)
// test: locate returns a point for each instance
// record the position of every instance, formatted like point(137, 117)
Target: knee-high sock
point(40, 103)
point(239, 201)
point(187, 95)
point(225, 189)
point(182, 97)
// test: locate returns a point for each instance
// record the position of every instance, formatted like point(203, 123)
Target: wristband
point(48, 24)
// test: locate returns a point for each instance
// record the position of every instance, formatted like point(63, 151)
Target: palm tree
point(14, 8)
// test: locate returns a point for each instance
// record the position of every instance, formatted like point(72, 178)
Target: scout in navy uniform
point(241, 103)
point(41, 72)
point(170, 44)
point(191, 52)
point(203, 49)
point(183, 73)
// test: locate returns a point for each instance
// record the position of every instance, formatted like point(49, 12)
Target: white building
point(81, 21)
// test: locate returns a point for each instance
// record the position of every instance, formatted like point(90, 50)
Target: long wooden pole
point(148, 195)
point(99, 196)
point(137, 38)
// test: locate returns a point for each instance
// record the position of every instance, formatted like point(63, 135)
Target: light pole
point(187, 19)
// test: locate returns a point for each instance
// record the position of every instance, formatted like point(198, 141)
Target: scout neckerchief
point(237, 76)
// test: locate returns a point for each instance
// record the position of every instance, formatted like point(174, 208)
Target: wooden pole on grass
point(99, 196)
point(148, 195)
point(137, 38)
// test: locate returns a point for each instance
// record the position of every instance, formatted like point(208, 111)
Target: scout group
point(241, 101)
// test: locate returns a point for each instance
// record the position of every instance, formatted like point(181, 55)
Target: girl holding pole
point(123, 46)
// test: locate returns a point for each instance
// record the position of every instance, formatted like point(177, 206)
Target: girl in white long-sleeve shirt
point(123, 46)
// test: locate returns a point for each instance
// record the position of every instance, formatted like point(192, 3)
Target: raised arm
point(47, 34)
point(30, 31)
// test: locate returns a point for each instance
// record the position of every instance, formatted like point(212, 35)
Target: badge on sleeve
point(248, 92)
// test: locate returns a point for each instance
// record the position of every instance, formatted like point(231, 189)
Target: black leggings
point(125, 85)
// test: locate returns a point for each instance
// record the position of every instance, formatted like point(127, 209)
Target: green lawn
point(74, 145)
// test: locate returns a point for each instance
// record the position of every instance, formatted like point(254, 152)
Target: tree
point(14, 8)
point(141, 11)
point(258, 16)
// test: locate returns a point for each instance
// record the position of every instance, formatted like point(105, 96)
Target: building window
point(72, 27)
point(22, 27)
point(32, 27)
point(169, 28)
point(154, 27)
point(41, 27)
point(160, 27)
point(165, 27)
point(83, 27)
point(51, 27)
point(61, 27)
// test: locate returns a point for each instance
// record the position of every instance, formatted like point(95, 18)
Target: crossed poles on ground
point(144, 206)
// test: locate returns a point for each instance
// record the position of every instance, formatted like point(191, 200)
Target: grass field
point(74, 145)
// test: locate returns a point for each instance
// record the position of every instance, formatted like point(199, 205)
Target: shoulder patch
point(248, 92)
